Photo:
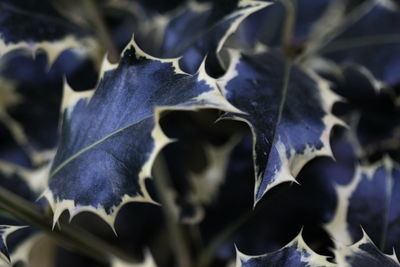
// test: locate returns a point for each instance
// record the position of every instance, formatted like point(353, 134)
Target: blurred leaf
point(364, 253)
point(294, 254)
point(207, 33)
point(34, 25)
point(370, 200)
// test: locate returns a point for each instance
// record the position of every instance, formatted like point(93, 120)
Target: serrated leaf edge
point(337, 227)
point(314, 260)
point(213, 98)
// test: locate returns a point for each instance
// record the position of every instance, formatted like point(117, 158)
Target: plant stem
point(179, 242)
point(332, 24)
point(207, 254)
point(68, 236)
point(288, 26)
point(355, 42)
point(102, 30)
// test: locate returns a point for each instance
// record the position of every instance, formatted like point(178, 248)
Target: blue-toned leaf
point(364, 253)
point(266, 26)
point(10, 98)
point(30, 101)
point(370, 109)
point(202, 187)
point(370, 200)
point(5, 231)
point(294, 254)
point(110, 136)
point(207, 33)
point(287, 109)
point(373, 42)
point(33, 25)
point(27, 184)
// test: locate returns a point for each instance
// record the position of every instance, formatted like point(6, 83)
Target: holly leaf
point(203, 186)
point(110, 136)
point(34, 25)
point(369, 109)
point(26, 183)
point(9, 98)
point(287, 109)
point(372, 42)
point(370, 201)
point(296, 254)
point(363, 253)
point(30, 103)
point(207, 33)
point(5, 231)
point(266, 27)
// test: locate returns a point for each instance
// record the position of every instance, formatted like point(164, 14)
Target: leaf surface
point(287, 109)
point(364, 253)
point(207, 33)
point(372, 42)
point(294, 254)
point(110, 136)
point(34, 25)
point(370, 200)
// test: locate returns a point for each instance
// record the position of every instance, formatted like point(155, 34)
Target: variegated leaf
point(287, 109)
point(30, 102)
point(27, 184)
point(207, 33)
point(295, 254)
point(10, 98)
point(202, 187)
point(370, 200)
point(369, 109)
point(5, 231)
point(111, 136)
point(34, 25)
point(363, 253)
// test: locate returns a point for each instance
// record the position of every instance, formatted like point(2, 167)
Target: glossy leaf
point(287, 109)
point(111, 136)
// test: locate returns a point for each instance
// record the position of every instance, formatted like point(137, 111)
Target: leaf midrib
point(285, 86)
point(87, 148)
